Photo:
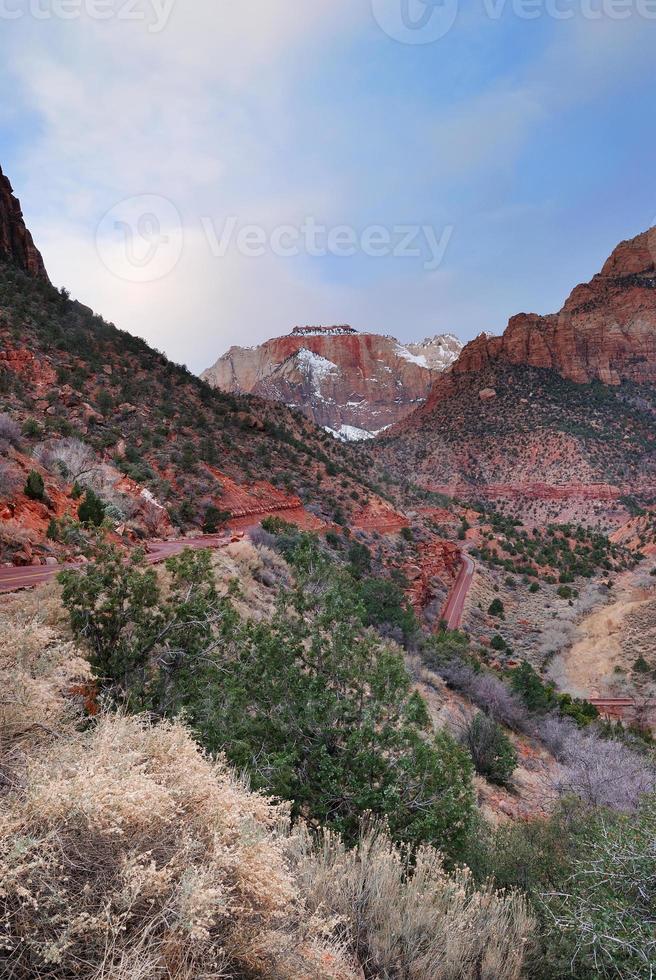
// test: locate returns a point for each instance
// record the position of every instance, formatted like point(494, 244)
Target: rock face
point(16, 244)
point(605, 331)
point(354, 384)
point(439, 352)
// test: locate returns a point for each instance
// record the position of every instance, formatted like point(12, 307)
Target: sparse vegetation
point(34, 486)
point(492, 751)
point(314, 705)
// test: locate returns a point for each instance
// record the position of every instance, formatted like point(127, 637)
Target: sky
point(206, 173)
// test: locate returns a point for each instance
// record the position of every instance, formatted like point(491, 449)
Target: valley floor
point(610, 641)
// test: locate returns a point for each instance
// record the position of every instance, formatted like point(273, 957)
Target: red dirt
point(438, 560)
point(379, 516)
point(535, 491)
point(296, 515)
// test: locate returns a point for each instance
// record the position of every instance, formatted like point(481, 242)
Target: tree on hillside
point(496, 608)
point(313, 704)
point(492, 751)
point(137, 636)
point(92, 510)
point(74, 458)
point(327, 719)
point(34, 486)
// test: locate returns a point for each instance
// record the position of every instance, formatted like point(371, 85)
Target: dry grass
point(259, 572)
point(39, 668)
point(412, 920)
point(127, 854)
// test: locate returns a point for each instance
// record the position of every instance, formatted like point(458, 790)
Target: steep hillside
point(67, 374)
point(559, 409)
point(354, 384)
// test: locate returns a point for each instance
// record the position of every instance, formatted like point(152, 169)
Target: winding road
point(15, 578)
point(455, 604)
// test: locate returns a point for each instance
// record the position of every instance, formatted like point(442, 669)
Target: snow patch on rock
point(315, 367)
point(351, 433)
point(417, 359)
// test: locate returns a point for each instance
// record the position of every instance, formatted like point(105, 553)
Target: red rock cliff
point(350, 382)
point(16, 244)
point(606, 329)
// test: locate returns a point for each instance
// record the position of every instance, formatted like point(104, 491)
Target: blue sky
point(527, 145)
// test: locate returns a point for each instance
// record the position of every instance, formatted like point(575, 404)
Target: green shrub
point(34, 486)
point(386, 605)
point(580, 710)
point(491, 750)
point(359, 558)
point(313, 705)
point(31, 429)
point(91, 511)
point(526, 682)
point(215, 519)
point(496, 608)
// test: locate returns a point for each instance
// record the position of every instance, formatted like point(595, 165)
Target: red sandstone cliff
point(353, 383)
point(606, 329)
point(16, 244)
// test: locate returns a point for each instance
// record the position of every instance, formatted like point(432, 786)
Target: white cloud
point(201, 113)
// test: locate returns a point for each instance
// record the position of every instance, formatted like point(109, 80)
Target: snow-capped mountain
point(353, 384)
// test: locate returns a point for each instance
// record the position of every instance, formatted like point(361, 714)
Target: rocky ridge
point(606, 330)
point(353, 384)
point(16, 244)
point(561, 408)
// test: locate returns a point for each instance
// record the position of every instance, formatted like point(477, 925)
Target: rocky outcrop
point(351, 383)
point(435, 573)
point(535, 491)
point(16, 244)
point(605, 331)
point(439, 352)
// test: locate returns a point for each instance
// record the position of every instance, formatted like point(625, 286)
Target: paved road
point(455, 604)
point(13, 579)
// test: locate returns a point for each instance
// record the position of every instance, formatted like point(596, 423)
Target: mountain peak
point(16, 244)
point(606, 330)
point(339, 331)
point(354, 384)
